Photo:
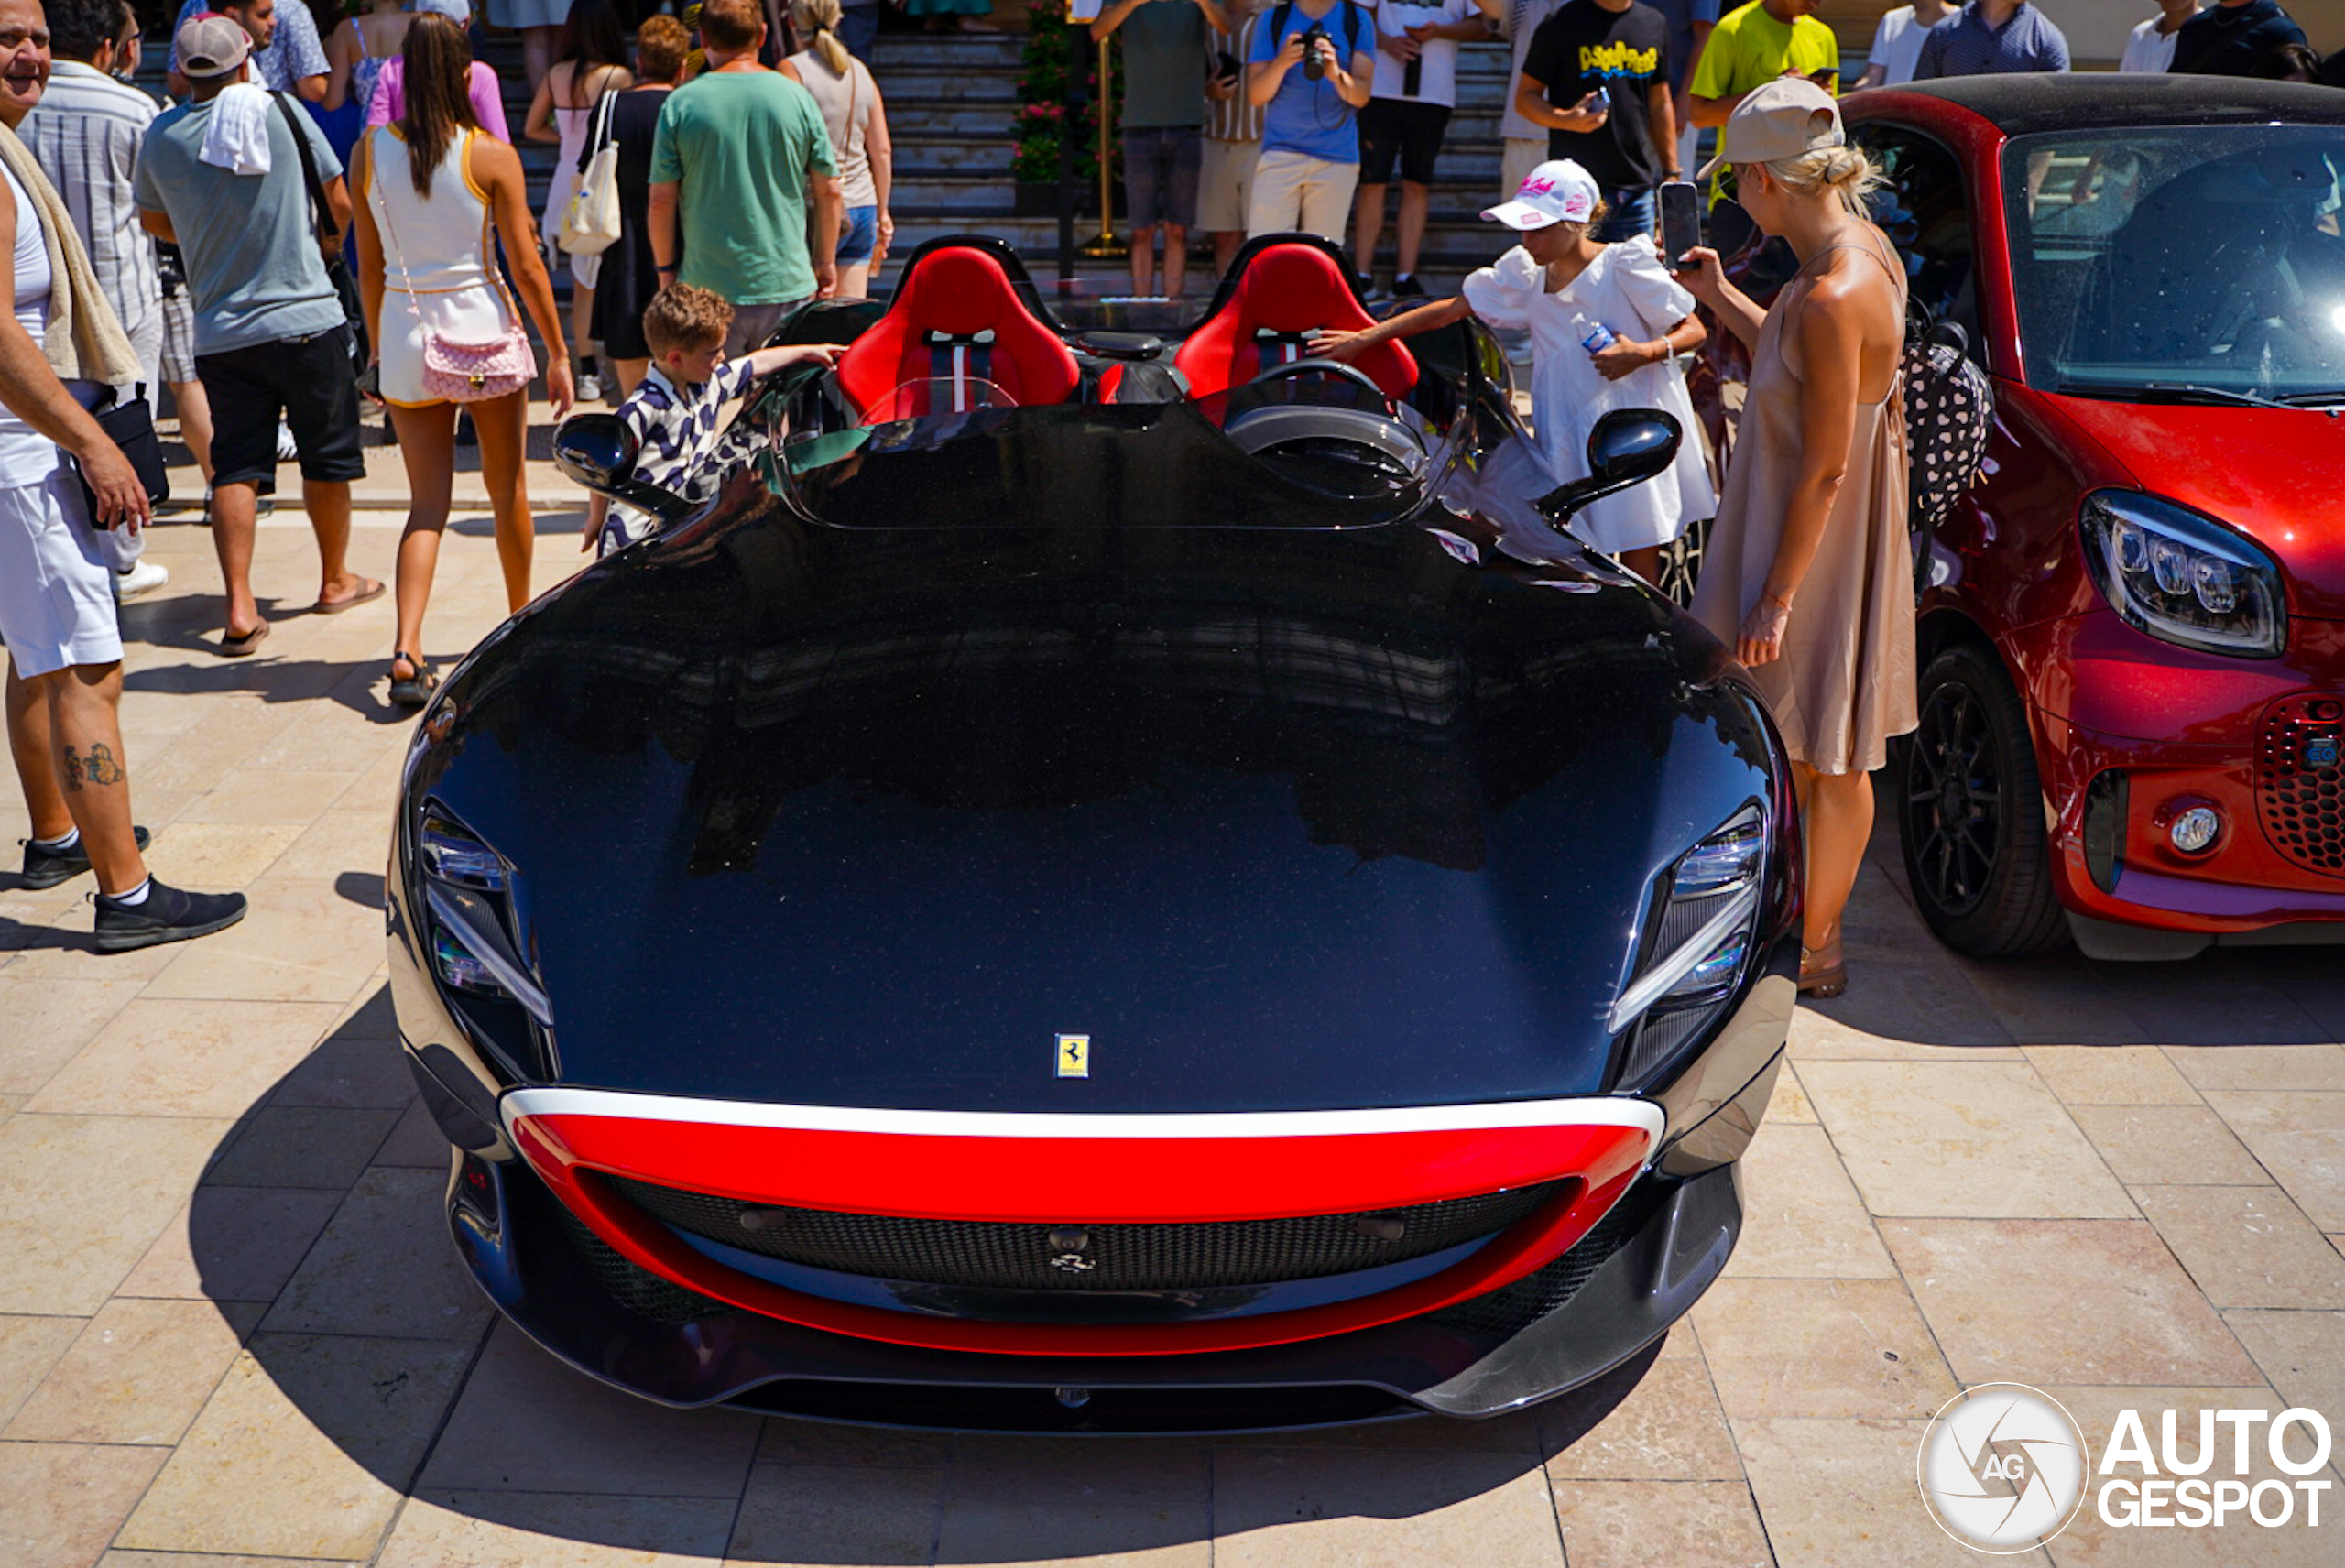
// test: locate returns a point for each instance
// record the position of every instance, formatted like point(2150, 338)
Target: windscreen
point(2203, 256)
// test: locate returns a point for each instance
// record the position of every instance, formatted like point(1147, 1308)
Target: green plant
point(1056, 52)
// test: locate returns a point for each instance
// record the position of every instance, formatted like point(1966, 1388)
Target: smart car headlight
point(2183, 577)
point(1698, 945)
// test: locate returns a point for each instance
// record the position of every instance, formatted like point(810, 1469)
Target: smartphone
point(1826, 77)
point(1681, 219)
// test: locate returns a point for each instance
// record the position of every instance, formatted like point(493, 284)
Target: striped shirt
point(1233, 119)
point(86, 132)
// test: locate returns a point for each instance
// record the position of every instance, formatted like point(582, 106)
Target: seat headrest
point(1293, 289)
point(960, 293)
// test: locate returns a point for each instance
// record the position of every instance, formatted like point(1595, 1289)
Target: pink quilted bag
point(476, 372)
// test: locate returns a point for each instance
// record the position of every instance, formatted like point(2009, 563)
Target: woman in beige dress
point(1809, 576)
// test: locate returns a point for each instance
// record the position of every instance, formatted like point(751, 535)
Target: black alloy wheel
point(1681, 561)
point(1971, 814)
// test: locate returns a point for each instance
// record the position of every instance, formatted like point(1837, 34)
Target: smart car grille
point(2299, 782)
point(1075, 1257)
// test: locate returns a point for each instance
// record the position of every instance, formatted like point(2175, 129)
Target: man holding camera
point(1311, 66)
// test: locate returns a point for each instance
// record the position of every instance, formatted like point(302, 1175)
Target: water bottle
point(1600, 338)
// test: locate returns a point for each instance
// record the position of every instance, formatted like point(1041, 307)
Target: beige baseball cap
point(1784, 118)
point(211, 45)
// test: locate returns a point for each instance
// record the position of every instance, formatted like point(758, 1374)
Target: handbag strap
point(599, 136)
point(329, 242)
point(378, 193)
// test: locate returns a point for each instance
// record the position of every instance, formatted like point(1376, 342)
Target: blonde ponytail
point(820, 18)
point(1843, 170)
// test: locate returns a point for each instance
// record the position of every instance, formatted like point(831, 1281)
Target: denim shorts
point(1161, 165)
point(858, 236)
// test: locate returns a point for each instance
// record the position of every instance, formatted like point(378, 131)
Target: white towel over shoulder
point(236, 137)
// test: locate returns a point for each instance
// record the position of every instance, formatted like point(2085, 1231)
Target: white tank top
point(27, 456)
point(434, 245)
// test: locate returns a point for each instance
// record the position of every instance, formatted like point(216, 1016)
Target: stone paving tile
point(1841, 1494)
point(348, 1071)
point(2055, 1001)
point(1820, 1036)
point(860, 1514)
point(385, 1266)
point(354, 838)
point(1131, 1505)
point(139, 1373)
point(2302, 1355)
point(2180, 1004)
point(1788, 1102)
point(1366, 1508)
point(1686, 1524)
point(2041, 1301)
point(2151, 1144)
point(788, 1442)
point(304, 1146)
point(65, 1500)
point(416, 1143)
point(233, 1244)
point(1971, 1139)
point(284, 795)
point(1801, 1213)
point(2260, 1067)
point(2246, 1246)
point(2299, 1138)
point(202, 853)
point(529, 1423)
point(304, 942)
point(304, 1450)
point(184, 1058)
point(88, 1195)
point(1655, 1422)
point(1824, 1348)
point(208, 1560)
point(2110, 1076)
point(498, 1530)
point(29, 1346)
point(49, 1021)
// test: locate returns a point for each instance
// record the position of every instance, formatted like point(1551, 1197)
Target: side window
point(1923, 209)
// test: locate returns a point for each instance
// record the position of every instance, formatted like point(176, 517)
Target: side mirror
point(1627, 447)
point(597, 451)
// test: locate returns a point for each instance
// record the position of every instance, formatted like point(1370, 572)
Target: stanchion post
point(1105, 247)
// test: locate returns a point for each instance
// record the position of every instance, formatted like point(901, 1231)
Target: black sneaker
point(1406, 286)
point(47, 867)
point(168, 915)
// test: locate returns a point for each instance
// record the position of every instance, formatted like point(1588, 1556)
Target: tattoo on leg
point(100, 767)
point(73, 770)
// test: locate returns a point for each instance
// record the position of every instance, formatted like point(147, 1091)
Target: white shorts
point(1226, 185)
point(1294, 192)
point(56, 579)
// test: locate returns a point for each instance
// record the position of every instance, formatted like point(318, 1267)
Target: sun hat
point(1785, 118)
point(211, 45)
point(1558, 192)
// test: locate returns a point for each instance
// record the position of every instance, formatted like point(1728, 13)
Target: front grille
point(1076, 1256)
point(1511, 1308)
point(2303, 802)
point(634, 1286)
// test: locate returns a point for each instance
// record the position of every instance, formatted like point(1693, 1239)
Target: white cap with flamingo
point(1558, 192)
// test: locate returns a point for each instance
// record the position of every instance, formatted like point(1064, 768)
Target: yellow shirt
point(1748, 49)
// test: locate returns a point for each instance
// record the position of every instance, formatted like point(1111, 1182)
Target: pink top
point(480, 86)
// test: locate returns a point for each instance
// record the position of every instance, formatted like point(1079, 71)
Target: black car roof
point(2021, 103)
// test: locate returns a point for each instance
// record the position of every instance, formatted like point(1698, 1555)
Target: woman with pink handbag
point(429, 189)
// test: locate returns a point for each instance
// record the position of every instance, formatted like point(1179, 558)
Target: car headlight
point(467, 893)
point(1696, 947)
point(2183, 577)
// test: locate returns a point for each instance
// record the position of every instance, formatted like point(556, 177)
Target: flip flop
point(371, 588)
point(232, 645)
point(1824, 981)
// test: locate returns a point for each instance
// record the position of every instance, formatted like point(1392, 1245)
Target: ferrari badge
point(1074, 1056)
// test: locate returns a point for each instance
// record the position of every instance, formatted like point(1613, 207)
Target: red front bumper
point(1089, 1170)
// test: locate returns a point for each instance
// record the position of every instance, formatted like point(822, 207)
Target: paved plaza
point(235, 1332)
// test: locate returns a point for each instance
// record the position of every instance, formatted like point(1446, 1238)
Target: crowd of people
point(330, 211)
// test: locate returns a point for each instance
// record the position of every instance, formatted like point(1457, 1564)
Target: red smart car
point(2132, 689)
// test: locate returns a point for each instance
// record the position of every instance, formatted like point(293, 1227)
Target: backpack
point(1950, 409)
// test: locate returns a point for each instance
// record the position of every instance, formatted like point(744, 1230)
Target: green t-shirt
point(1748, 49)
point(740, 146)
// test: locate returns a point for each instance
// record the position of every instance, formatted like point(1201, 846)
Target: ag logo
point(2003, 1467)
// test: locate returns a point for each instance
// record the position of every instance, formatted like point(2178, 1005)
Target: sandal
point(1821, 980)
point(234, 645)
point(413, 690)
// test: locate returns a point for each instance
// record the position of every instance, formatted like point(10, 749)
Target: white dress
point(1627, 289)
point(437, 262)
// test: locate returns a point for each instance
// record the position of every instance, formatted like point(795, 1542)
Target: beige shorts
point(1522, 155)
point(1294, 190)
point(1226, 185)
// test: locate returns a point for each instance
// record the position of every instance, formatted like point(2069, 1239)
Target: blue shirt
point(1964, 45)
point(1681, 15)
point(1311, 117)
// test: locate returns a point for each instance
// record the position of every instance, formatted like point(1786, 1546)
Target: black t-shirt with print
point(1584, 47)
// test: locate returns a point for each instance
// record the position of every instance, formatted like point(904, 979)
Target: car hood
point(840, 816)
point(2273, 474)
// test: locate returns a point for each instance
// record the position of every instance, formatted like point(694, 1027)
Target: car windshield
point(2195, 262)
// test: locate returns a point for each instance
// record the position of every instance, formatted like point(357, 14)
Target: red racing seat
point(1286, 293)
point(955, 320)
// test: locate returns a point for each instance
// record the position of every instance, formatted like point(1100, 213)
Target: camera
point(1313, 67)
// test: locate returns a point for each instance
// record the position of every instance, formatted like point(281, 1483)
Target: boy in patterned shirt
point(677, 411)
